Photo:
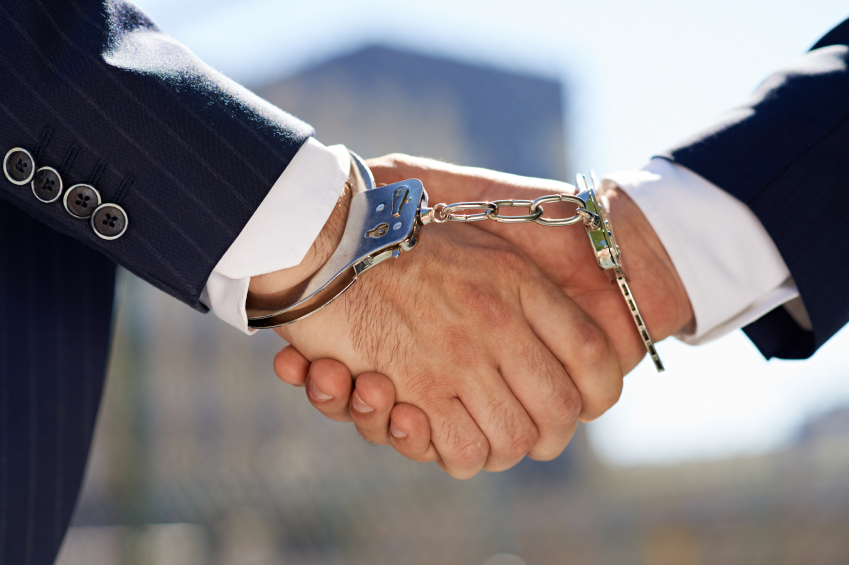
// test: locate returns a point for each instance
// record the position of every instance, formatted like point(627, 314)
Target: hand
point(470, 332)
point(563, 253)
point(564, 256)
point(371, 405)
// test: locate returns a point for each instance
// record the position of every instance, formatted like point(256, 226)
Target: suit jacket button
point(47, 185)
point(19, 166)
point(109, 221)
point(81, 200)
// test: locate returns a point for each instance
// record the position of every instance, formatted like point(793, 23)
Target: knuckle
point(522, 443)
point(590, 343)
point(485, 304)
point(564, 401)
point(518, 433)
point(471, 453)
point(423, 388)
point(565, 405)
point(458, 344)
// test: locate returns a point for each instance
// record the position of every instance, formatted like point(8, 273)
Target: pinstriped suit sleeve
point(203, 152)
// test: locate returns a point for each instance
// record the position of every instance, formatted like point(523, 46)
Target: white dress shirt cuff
point(729, 265)
point(282, 229)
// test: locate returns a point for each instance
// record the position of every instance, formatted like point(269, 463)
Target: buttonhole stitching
point(46, 134)
point(97, 173)
point(122, 190)
point(68, 162)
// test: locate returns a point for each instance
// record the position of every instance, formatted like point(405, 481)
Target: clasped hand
point(480, 346)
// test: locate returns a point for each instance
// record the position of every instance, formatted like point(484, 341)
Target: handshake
point(488, 342)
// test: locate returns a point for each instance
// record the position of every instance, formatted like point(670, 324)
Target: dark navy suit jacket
point(190, 156)
point(88, 84)
point(785, 154)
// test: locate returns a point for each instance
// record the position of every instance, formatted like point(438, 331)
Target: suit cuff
point(729, 265)
point(281, 231)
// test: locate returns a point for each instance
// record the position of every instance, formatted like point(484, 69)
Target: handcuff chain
point(449, 212)
point(386, 226)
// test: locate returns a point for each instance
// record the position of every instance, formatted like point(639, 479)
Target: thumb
point(443, 182)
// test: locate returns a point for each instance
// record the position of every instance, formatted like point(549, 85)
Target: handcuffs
point(385, 221)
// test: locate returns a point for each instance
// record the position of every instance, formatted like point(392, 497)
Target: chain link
point(491, 211)
point(532, 217)
point(537, 205)
point(488, 207)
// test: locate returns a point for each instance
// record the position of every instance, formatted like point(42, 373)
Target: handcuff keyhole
point(378, 231)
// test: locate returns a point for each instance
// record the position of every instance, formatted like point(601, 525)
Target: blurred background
point(202, 456)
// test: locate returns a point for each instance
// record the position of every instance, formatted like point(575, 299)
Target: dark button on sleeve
point(109, 221)
point(81, 200)
point(47, 185)
point(19, 166)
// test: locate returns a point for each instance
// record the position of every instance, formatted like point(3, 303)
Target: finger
point(404, 426)
point(459, 441)
point(543, 387)
point(291, 367)
point(329, 385)
point(409, 431)
point(370, 405)
point(577, 341)
point(501, 417)
point(446, 182)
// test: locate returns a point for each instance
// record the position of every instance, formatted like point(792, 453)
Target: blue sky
point(639, 76)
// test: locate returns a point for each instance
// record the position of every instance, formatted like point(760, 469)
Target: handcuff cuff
point(385, 221)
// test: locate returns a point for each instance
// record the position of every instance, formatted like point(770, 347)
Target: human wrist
point(663, 299)
point(271, 289)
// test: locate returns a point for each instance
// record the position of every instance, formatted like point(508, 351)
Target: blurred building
point(380, 100)
point(203, 457)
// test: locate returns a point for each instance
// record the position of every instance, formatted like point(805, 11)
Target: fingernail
point(396, 432)
point(317, 393)
point(359, 405)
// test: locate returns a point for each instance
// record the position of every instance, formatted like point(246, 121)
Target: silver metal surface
point(537, 205)
point(622, 281)
point(487, 207)
point(370, 237)
point(436, 214)
point(609, 256)
point(449, 212)
point(514, 219)
point(598, 231)
point(592, 221)
point(385, 221)
point(363, 174)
